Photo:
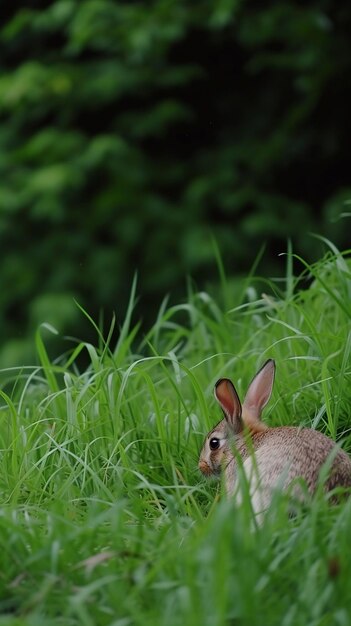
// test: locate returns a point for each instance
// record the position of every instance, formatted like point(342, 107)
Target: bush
point(130, 132)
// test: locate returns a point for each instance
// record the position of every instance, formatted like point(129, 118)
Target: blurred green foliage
point(130, 130)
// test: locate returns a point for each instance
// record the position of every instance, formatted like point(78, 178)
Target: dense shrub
point(130, 131)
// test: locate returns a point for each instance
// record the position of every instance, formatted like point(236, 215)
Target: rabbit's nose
point(204, 468)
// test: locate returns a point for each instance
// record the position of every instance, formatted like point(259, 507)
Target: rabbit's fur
point(271, 458)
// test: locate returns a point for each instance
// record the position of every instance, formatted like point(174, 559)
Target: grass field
point(104, 518)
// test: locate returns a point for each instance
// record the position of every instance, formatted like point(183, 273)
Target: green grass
point(105, 519)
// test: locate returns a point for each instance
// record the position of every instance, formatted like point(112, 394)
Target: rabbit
point(270, 458)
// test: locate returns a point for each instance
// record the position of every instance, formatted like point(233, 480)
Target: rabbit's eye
point(214, 443)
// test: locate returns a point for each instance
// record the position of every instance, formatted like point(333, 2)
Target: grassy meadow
point(104, 517)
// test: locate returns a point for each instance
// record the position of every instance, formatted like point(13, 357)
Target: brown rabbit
point(271, 458)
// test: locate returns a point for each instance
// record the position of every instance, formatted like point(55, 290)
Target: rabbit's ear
point(259, 391)
point(225, 393)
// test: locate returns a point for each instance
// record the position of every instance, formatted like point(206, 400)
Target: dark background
point(132, 134)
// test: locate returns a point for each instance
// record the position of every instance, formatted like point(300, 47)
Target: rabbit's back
point(284, 454)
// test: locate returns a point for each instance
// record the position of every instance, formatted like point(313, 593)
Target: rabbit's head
point(216, 451)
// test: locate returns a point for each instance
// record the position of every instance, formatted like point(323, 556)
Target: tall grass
point(104, 517)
